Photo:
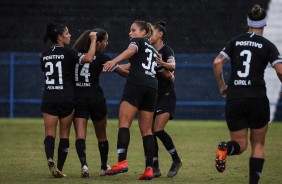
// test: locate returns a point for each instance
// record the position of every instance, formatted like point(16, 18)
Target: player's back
point(249, 55)
point(58, 64)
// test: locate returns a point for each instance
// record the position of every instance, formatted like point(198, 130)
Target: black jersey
point(87, 75)
point(249, 55)
point(164, 85)
point(143, 64)
point(58, 64)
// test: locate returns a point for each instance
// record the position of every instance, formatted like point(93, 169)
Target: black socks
point(233, 148)
point(81, 151)
point(256, 165)
point(62, 152)
point(168, 144)
point(122, 144)
point(49, 146)
point(149, 144)
point(104, 150)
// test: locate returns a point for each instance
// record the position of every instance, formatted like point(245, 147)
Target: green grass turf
point(22, 157)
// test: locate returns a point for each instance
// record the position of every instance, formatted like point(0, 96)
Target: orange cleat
point(221, 154)
point(148, 174)
point(120, 167)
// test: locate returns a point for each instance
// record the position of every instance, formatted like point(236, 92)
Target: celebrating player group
point(72, 94)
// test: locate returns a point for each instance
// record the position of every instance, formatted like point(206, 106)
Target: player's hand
point(93, 36)
point(159, 61)
point(108, 65)
point(223, 91)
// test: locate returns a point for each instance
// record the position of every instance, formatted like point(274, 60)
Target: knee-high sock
point(81, 151)
point(104, 150)
point(255, 166)
point(62, 152)
point(122, 143)
point(168, 144)
point(149, 144)
point(49, 146)
point(233, 148)
point(156, 153)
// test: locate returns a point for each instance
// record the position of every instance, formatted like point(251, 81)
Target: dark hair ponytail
point(82, 44)
point(161, 27)
point(53, 30)
point(101, 34)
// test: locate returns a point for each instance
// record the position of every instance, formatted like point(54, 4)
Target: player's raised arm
point(129, 52)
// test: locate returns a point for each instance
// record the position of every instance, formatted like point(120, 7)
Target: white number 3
point(246, 63)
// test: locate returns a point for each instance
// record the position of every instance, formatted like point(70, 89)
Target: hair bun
point(256, 10)
point(50, 26)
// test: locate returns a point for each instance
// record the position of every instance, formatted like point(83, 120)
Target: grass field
point(22, 158)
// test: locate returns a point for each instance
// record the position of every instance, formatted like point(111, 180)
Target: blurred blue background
point(197, 31)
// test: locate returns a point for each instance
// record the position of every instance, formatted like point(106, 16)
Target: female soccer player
point(90, 100)
point(166, 100)
point(247, 106)
point(58, 64)
point(139, 96)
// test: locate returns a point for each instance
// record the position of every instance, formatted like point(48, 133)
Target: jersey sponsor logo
point(158, 110)
point(248, 43)
point(50, 57)
point(59, 87)
point(242, 82)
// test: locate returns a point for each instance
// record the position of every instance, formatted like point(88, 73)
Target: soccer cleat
point(84, 172)
point(175, 166)
point(148, 174)
point(120, 167)
point(103, 172)
point(157, 172)
point(54, 170)
point(221, 154)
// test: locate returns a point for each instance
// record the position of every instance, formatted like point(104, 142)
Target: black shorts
point(61, 110)
point(165, 103)
point(247, 113)
point(142, 97)
point(94, 106)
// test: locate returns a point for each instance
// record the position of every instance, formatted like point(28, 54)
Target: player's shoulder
point(167, 48)
point(238, 37)
point(70, 50)
point(101, 56)
point(268, 42)
point(139, 40)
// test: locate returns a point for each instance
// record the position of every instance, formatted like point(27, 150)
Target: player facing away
point(90, 100)
point(166, 100)
point(139, 96)
point(247, 106)
point(58, 65)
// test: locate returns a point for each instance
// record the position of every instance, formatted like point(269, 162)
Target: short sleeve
point(274, 56)
point(226, 51)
